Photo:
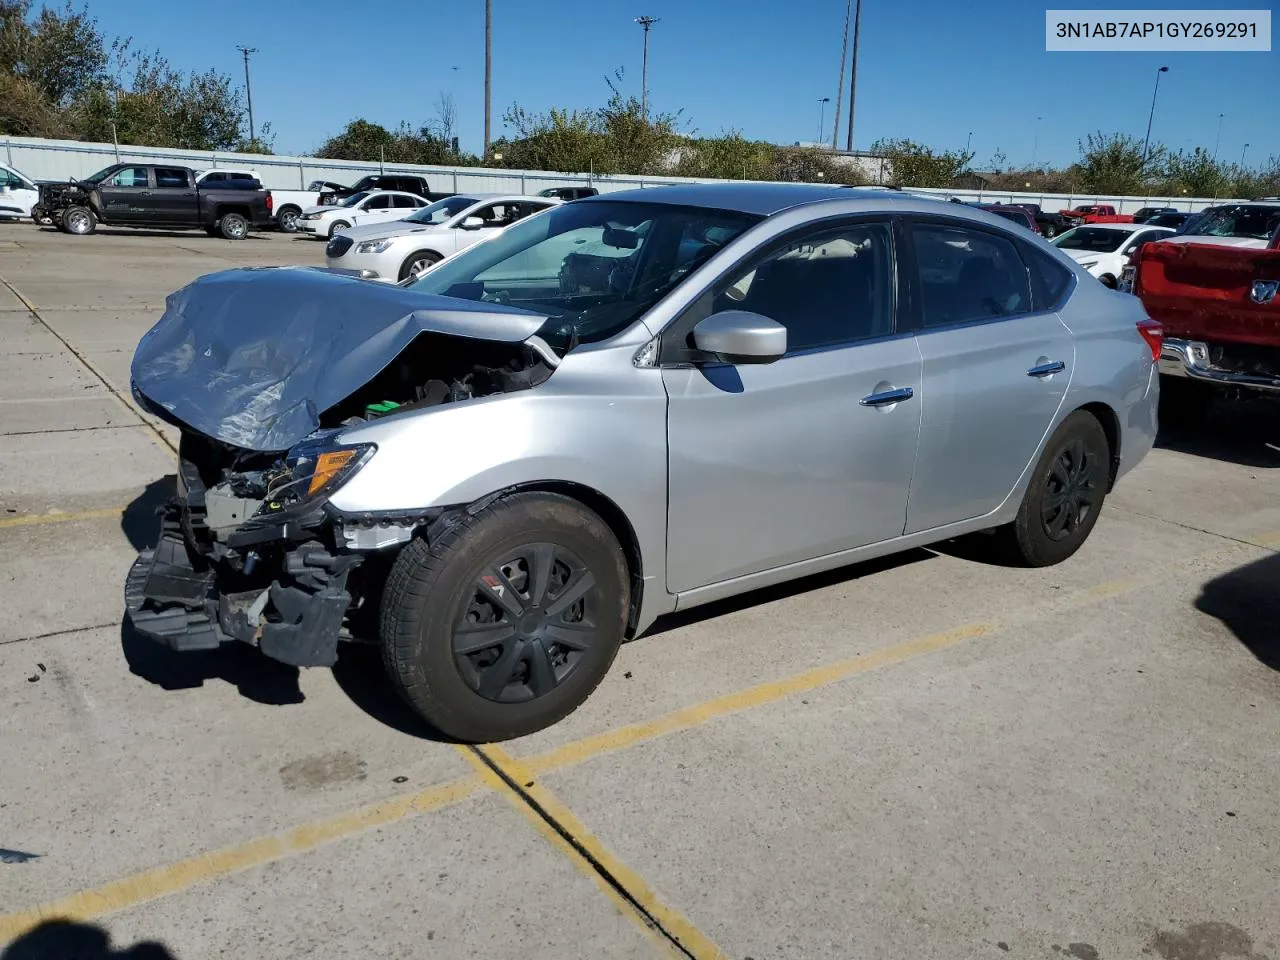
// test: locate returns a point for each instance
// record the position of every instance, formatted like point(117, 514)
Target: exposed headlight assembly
point(315, 468)
point(373, 246)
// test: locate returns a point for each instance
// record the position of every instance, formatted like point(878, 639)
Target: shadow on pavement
point(362, 677)
point(1247, 601)
point(64, 940)
point(140, 521)
point(1246, 432)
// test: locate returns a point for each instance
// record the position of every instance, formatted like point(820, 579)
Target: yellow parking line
point(184, 874)
point(40, 519)
point(663, 925)
point(612, 740)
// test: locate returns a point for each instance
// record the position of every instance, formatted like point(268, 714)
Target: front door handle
point(1047, 369)
point(887, 397)
point(145, 193)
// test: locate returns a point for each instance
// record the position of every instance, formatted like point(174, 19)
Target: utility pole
point(844, 53)
point(853, 74)
point(646, 23)
point(822, 107)
point(1035, 144)
point(248, 93)
point(488, 72)
point(1151, 116)
point(1242, 155)
point(968, 140)
point(1218, 139)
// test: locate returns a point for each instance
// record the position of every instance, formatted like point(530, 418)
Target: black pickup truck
point(1050, 224)
point(383, 181)
point(151, 195)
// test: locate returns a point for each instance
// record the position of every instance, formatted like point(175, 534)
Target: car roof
point(764, 199)
point(1121, 227)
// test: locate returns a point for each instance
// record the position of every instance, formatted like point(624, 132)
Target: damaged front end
point(250, 549)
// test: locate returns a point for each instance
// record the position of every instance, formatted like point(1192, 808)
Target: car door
point(174, 196)
point(17, 194)
point(375, 209)
point(773, 464)
point(402, 204)
point(126, 196)
point(996, 366)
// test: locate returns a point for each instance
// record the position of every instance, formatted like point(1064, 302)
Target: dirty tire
point(338, 227)
point(1049, 231)
point(1108, 281)
point(287, 219)
point(233, 226)
point(79, 221)
point(418, 262)
point(1077, 460)
point(435, 589)
point(1184, 402)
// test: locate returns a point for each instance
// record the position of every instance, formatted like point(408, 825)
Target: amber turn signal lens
point(328, 465)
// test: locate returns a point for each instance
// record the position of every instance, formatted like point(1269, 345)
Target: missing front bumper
point(293, 614)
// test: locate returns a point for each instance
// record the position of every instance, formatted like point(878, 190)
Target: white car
point(18, 194)
point(1103, 248)
point(1248, 225)
point(368, 206)
point(406, 248)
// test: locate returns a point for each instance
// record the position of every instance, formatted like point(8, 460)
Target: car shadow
point(151, 232)
point(68, 940)
point(360, 674)
point(1247, 602)
point(1243, 432)
point(140, 522)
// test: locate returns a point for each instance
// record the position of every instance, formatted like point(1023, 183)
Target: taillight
point(1152, 332)
point(270, 201)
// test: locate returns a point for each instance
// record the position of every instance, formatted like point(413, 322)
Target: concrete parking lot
point(924, 757)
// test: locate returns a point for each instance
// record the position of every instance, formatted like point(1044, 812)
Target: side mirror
point(472, 223)
point(740, 336)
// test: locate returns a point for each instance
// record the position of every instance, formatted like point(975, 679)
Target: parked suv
point(569, 193)
point(615, 408)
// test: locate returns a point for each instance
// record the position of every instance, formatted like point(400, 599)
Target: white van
point(18, 194)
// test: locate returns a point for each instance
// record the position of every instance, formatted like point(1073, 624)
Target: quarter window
point(827, 289)
point(968, 276)
point(1049, 278)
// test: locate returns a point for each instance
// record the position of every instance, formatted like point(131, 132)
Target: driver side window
point(130, 177)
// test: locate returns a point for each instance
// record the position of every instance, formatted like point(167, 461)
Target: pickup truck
point(1050, 224)
point(405, 183)
point(286, 205)
point(1094, 213)
point(1220, 308)
point(147, 195)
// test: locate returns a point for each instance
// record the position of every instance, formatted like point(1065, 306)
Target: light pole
point(822, 112)
point(968, 140)
point(1242, 155)
point(248, 93)
point(646, 23)
point(488, 71)
point(1218, 139)
point(1151, 115)
point(1035, 143)
point(853, 73)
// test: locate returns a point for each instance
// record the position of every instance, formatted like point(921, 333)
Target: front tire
point(1064, 497)
point(79, 221)
point(1049, 231)
point(1108, 281)
point(508, 620)
point(418, 263)
point(338, 227)
point(233, 226)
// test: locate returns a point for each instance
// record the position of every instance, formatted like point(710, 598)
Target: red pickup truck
point(1094, 213)
point(1220, 308)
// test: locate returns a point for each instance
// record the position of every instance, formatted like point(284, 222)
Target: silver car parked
point(625, 406)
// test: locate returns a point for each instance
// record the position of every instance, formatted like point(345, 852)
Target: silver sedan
point(625, 406)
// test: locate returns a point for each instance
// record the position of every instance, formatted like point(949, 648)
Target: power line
point(248, 93)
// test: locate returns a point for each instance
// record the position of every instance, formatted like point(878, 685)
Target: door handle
point(1047, 369)
point(144, 193)
point(189, 194)
point(887, 397)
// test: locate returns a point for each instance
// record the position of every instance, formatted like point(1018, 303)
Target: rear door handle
point(887, 397)
point(1047, 369)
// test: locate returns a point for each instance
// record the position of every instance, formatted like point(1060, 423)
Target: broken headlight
point(315, 468)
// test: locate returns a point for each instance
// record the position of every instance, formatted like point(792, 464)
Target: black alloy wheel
point(1071, 490)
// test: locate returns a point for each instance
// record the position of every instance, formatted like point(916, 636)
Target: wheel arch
point(222, 209)
point(1110, 422)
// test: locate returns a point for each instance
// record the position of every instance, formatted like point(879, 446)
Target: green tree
point(730, 156)
point(1114, 163)
point(60, 53)
point(1196, 173)
point(915, 165)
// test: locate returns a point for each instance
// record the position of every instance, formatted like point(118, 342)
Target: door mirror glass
point(472, 223)
point(739, 336)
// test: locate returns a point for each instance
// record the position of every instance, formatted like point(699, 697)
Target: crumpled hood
point(253, 356)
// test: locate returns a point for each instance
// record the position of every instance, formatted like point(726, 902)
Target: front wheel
point(233, 226)
point(338, 227)
point(1064, 497)
point(418, 263)
point(1049, 231)
point(508, 620)
point(79, 221)
point(1108, 281)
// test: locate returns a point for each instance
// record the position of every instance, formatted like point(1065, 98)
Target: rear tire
point(1064, 497)
point(233, 226)
point(287, 219)
point(508, 620)
point(1108, 281)
point(417, 263)
point(79, 221)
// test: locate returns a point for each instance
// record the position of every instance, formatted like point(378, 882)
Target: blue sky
point(930, 70)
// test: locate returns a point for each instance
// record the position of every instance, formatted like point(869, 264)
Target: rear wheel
point(233, 226)
point(507, 621)
point(287, 219)
point(79, 221)
point(1108, 281)
point(1065, 495)
point(418, 263)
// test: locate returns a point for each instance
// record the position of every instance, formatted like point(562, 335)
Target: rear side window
point(968, 276)
point(405, 202)
point(169, 177)
point(379, 202)
point(1049, 279)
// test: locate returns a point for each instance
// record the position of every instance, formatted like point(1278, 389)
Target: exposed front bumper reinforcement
point(1190, 358)
point(294, 617)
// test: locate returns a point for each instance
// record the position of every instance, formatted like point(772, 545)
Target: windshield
point(102, 174)
point(355, 198)
point(1092, 239)
point(1253, 221)
point(441, 210)
point(594, 268)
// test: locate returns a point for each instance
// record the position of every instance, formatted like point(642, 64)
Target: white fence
point(59, 159)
